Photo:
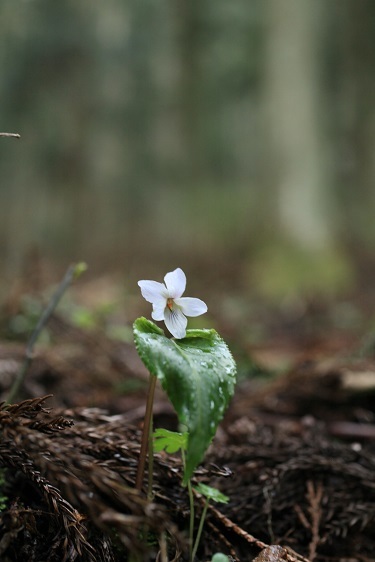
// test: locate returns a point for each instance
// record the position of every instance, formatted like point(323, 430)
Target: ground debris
point(73, 486)
point(296, 458)
point(306, 491)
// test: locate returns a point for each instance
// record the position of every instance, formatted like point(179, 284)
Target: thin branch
point(11, 135)
point(314, 496)
point(72, 273)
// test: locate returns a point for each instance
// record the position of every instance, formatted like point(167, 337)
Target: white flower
point(169, 305)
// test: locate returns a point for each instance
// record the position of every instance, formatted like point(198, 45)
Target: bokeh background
point(235, 139)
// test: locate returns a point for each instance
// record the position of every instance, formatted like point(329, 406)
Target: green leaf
point(169, 441)
point(198, 373)
point(220, 557)
point(79, 268)
point(211, 493)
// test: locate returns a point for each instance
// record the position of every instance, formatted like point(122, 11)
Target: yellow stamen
point(170, 304)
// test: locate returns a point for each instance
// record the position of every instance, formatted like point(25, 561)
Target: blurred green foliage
point(159, 131)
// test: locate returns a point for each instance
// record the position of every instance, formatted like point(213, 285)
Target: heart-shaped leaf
point(198, 373)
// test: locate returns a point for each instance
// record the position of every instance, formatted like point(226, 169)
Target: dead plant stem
point(72, 273)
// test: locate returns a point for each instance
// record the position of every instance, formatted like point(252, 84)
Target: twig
point(302, 517)
point(11, 135)
point(72, 273)
point(223, 539)
point(236, 529)
point(273, 553)
point(314, 497)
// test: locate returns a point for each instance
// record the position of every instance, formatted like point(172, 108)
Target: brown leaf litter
point(70, 488)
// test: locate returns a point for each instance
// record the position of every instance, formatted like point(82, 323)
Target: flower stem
point(146, 433)
point(200, 528)
point(150, 493)
point(192, 517)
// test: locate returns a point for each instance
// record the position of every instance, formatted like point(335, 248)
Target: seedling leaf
point(169, 441)
point(211, 493)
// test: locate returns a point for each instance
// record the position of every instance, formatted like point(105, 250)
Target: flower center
point(170, 304)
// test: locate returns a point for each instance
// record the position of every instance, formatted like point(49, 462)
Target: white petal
point(158, 310)
point(153, 291)
point(176, 283)
point(191, 306)
point(175, 322)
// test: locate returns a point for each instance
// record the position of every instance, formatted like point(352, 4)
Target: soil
point(295, 452)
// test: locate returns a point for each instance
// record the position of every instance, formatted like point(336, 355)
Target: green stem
point(146, 433)
point(192, 518)
point(72, 273)
point(200, 528)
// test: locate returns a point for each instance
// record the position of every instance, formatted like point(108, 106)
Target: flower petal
point(191, 306)
point(158, 310)
point(153, 291)
point(175, 282)
point(176, 322)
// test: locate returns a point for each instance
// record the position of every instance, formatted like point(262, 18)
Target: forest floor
point(295, 452)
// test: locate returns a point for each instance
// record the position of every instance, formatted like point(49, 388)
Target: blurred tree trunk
point(189, 26)
point(295, 163)
point(355, 102)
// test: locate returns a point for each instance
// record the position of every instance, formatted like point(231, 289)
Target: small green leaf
point(220, 557)
point(169, 441)
point(79, 268)
point(211, 493)
point(198, 373)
